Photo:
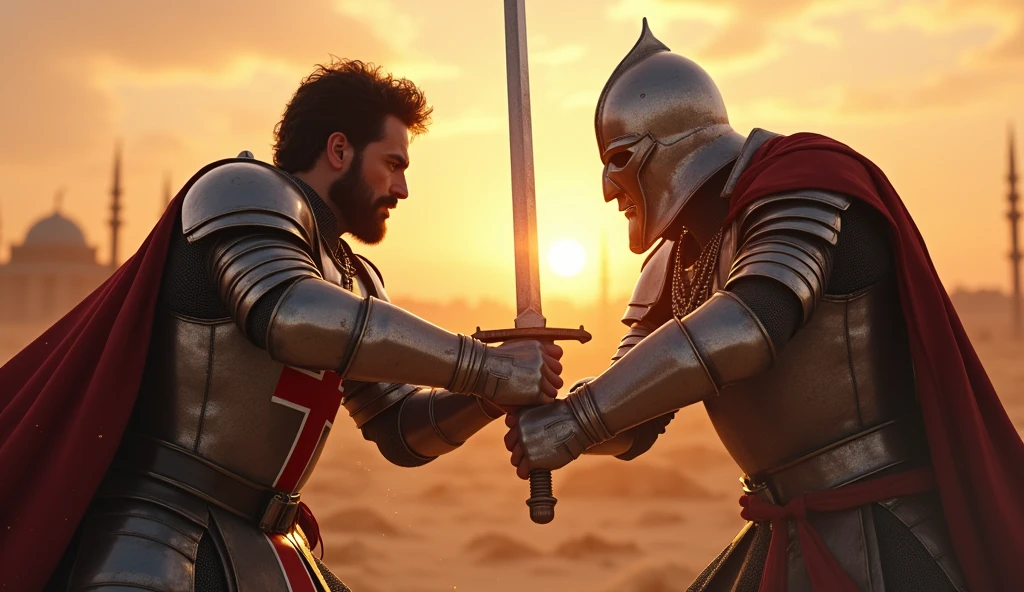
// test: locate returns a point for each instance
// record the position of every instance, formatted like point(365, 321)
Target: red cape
point(64, 403)
point(977, 454)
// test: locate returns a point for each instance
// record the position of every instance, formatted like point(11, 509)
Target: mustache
point(385, 200)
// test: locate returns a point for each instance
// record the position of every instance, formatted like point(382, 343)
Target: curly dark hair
point(347, 96)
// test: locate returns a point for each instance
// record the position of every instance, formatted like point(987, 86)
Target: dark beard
point(359, 209)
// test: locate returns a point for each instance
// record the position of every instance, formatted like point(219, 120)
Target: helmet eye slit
point(620, 159)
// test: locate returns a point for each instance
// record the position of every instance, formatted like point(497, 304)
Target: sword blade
point(524, 203)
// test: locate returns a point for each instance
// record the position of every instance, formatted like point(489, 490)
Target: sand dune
point(459, 524)
point(493, 547)
point(656, 518)
point(590, 546)
point(654, 577)
point(358, 520)
point(617, 479)
point(354, 552)
point(697, 456)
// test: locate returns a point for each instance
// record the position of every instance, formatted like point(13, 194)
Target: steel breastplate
point(210, 391)
point(846, 370)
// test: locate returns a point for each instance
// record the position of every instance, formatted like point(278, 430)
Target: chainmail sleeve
point(383, 430)
point(252, 269)
point(186, 287)
point(860, 258)
point(646, 435)
point(782, 270)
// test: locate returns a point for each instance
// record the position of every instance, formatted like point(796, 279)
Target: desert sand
point(648, 525)
point(460, 522)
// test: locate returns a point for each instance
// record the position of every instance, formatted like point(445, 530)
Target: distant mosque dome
point(55, 230)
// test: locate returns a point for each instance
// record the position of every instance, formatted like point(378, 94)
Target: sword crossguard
point(538, 333)
point(541, 502)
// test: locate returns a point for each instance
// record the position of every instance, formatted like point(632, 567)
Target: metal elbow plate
point(244, 268)
point(789, 238)
point(314, 325)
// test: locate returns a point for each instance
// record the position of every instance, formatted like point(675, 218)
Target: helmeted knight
point(783, 317)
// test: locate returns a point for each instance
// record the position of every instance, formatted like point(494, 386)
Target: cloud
point(580, 99)
point(558, 56)
point(467, 124)
point(61, 94)
point(951, 55)
point(747, 32)
point(399, 27)
point(1004, 17)
point(986, 74)
point(954, 90)
point(425, 71)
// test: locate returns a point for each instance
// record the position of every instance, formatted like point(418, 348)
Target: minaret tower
point(115, 207)
point(167, 190)
point(603, 304)
point(1015, 255)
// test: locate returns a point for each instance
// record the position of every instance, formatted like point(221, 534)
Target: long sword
point(530, 322)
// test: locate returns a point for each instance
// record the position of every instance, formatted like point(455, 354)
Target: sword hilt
point(539, 333)
point(541, 502)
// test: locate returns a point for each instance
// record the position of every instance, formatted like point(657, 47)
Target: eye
point(393, 166)
point(620, 159)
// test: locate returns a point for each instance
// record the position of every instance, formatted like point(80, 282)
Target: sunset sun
point(566, 257)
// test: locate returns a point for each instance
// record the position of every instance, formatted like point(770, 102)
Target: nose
point(611, 189)
point(400, 189)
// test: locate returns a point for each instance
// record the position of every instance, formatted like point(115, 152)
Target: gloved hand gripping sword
point(530, 322)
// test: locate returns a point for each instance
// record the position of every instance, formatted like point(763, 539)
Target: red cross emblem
point(317, 395)
point(292, 567)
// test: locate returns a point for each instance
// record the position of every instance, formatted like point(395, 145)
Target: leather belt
point(870, 452)
point(273, 510)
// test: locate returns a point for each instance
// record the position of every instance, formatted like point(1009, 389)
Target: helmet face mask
point(624, 161)
point(662, 131)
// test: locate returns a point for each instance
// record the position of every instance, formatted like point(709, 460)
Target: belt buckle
point(758, 490)
point(279, 515)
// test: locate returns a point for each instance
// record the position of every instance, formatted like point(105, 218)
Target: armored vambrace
point(431, 421)
point(318, 325)
point(788, 239)
point(681, 363)
point(266, 239)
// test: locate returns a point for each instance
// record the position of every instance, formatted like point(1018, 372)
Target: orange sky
point(924, 88)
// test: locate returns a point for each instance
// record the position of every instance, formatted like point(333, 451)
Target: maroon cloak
point(977, 454)
point(64, 403)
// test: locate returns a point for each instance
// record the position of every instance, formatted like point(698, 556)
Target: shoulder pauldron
point(651, 283)
point(789, 237)
point(247, 192)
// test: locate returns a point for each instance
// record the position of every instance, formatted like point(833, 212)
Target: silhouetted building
point(55, 268)
point(115, 209)
point(49, 273)
point(1015, 255)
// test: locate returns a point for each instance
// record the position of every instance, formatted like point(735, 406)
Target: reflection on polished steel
point(520, 135)
point(530, 322)
point(662, 130)
point(782, 239)
point(234, 430)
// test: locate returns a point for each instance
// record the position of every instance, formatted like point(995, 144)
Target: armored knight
point(266, 324)
point(775, 296)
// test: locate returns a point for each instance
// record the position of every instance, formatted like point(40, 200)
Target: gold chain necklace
point(687, 295)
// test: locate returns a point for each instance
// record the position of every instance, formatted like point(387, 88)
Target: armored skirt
point(898, 545)
point(142, 534)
